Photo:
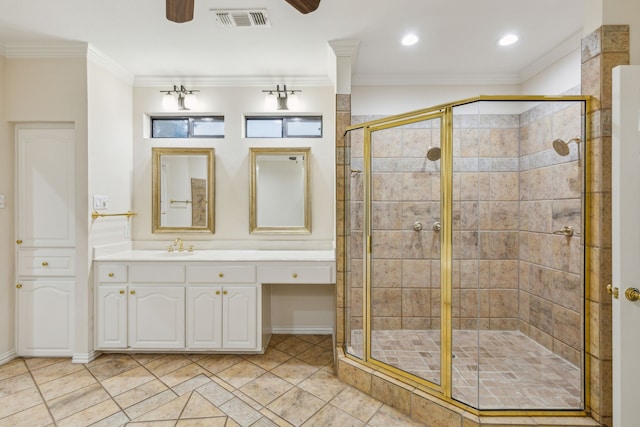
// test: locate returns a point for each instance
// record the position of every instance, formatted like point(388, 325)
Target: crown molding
point(434, 80)
point(97, 57)
point(30, 50)
point(231, 81)
point(545, 61)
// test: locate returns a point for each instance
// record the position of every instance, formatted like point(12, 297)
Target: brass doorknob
point(217, 292)
point(19, 241)
point(224, 292)
point(110, 274)
point(220, 274)
point(121, 291)
point(45, 263)
point(19, 285)
point(132, 292)
point(612, 291)
point(295, 275)
point(632, 294)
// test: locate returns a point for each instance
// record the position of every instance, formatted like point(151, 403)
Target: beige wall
point(7, 245)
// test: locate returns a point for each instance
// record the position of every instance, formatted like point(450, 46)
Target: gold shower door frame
point(445, 113)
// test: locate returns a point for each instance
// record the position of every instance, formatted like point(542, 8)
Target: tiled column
point(602, 50)
point(343, 120)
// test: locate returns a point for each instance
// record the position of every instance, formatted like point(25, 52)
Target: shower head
point(433, 153)
point(562, 148)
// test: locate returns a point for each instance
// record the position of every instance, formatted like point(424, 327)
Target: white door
point(239, 317)
point(45, 318)
point(204, 317)
point(156, 317)
point(626, 243)
point(45, 187)
point(111, 317)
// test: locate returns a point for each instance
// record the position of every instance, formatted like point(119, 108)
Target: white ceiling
point(457, 37)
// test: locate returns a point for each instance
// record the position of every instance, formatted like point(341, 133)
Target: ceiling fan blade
point(303, 6)
point(180, 10)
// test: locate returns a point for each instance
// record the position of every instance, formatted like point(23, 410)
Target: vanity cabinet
point(181, 306)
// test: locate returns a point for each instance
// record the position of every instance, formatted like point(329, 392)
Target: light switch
point(1, 201)
point(100, 202)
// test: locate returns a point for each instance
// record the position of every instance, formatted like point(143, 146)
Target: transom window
point(187, 127)
point(283, 127)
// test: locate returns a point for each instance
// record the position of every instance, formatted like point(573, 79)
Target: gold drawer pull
point(217, 292)
point(295, 275)
point(220, 274)
point(19, 285)
point(132, 292)
point(19, 241)
point(224, 292)
point(110, 274)
point(121, 291)
point(45, 263)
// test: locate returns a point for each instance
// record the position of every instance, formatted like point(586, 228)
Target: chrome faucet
point(178, 243)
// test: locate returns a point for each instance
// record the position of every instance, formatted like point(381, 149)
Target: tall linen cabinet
point(45, 240)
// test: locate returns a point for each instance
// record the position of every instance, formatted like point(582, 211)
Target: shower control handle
point(566, 230)
point(437, 227)
point(417, 226)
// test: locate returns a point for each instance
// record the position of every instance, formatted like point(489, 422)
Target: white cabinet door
point(156, 317)
point(111, 317)
point(239, 327)
point(204, 317)
point(45, 184)
point(45, 318)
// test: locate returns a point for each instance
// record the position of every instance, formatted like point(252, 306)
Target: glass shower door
point(404, 249)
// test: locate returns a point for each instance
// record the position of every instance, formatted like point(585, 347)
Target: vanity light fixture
point(279, 97)
point(185, 99)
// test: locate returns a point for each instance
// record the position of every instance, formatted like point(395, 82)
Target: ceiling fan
point(182, 10)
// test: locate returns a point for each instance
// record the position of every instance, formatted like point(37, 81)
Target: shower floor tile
point(490, 369)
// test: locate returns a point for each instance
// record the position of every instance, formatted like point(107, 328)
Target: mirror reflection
point(280, 190)
point(183, 197)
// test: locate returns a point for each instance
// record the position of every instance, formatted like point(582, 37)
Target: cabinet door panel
point(156, 317)
point(45, 169)
point(204, 317)
point(111, 317)
point(46, 318)
point(239, 321)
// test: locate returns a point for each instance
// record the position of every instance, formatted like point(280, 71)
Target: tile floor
point(515, 372)
point(292, 384)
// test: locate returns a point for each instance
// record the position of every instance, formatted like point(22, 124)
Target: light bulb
point(169, 102)
point(190, 101)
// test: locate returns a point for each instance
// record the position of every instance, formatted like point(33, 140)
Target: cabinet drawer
point(46, 262)
point(156, 273)
point(221, 274)
point(112, 273)
point(295, 274)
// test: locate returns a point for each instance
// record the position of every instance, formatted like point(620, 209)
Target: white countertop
point(219, 255)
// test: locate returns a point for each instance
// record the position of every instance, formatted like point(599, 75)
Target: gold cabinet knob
point(110, 274)
point(612, 291)
point(221, 275)
point(217, 292)
point(224, 292)
point(121, 291)
point(295, 275)
point(19, 241)
point(632, 294)
point(45, 263)
point(132, 292)
point(19, 285)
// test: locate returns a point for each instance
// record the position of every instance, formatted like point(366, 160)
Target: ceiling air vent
point(230, 18)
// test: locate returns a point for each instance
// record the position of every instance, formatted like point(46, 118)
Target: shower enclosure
point(465, 260)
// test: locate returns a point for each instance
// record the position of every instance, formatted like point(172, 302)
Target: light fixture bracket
point(181, 92)
point(282, 95)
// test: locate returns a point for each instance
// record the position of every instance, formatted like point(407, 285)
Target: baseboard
point(289, 330)
point(85, 357)
point(7, 357)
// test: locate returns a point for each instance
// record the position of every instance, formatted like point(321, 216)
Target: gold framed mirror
point(183, 190)
point(280, 191)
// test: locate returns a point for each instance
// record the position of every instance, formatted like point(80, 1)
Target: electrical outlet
point(100, 202)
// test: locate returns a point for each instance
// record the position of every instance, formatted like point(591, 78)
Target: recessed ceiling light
point(409, 40)
point(508, 39)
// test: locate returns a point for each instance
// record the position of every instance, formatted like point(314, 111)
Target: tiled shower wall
point(511, 190)
point(551, 291)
